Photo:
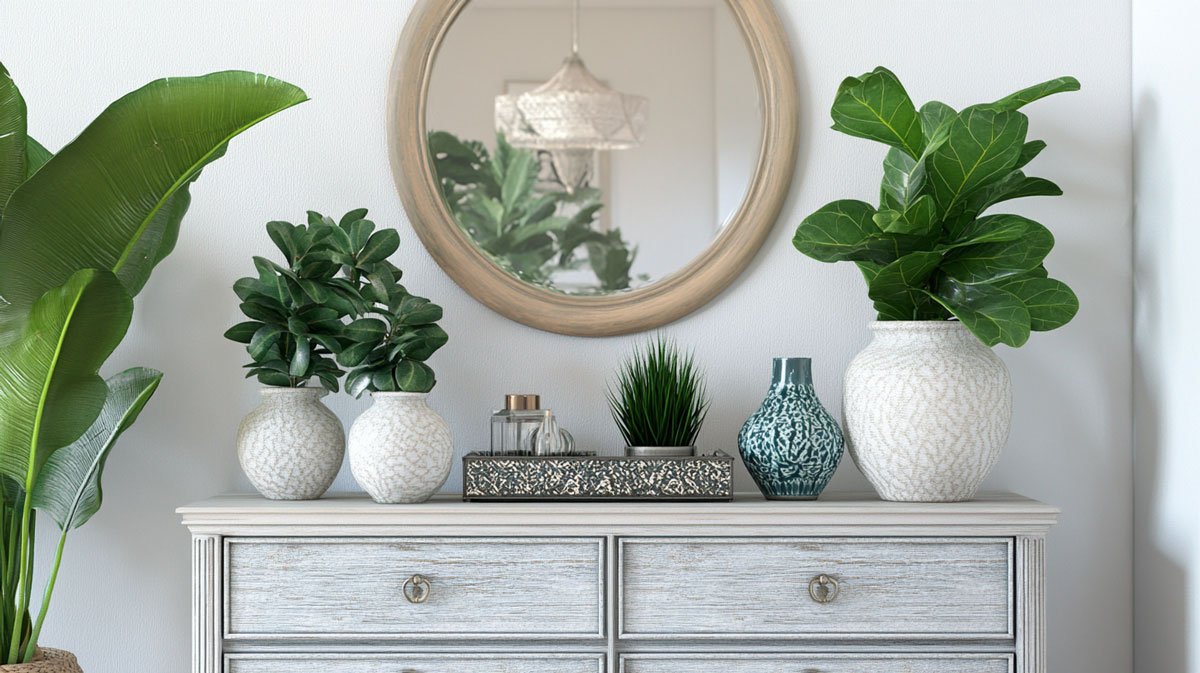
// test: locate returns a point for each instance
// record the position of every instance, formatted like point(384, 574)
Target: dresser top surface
point(834, 509)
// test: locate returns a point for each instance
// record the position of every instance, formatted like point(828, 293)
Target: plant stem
point(14, 646)
point(37, 627)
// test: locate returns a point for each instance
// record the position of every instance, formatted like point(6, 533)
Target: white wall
point(1166, 109)
point(123, 598)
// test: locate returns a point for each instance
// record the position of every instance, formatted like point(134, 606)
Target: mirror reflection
point(593, 146)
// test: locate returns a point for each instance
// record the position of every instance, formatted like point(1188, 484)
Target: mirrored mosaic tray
point(707, 476)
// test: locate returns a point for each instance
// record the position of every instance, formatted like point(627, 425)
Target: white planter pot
point(291, 446)
point(927, 409)
point(400, 449)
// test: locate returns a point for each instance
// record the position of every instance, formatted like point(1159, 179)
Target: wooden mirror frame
point(663, 301)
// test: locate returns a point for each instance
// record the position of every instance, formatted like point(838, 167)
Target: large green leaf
point(981, 147)
point(50, 392)
point(936, 117)
point(989, 262)
point(12, 137)
point(109, 199)
point(876, 106)
point(903, 178)
point(897, 289)
point(68, 487)
point(1051, 304)
point(1036, 92)
point(992, 314)
point(839, 231)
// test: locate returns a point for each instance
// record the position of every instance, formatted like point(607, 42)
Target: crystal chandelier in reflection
point(572, 116)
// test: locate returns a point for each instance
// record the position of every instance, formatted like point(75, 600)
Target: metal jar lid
point(522, 402)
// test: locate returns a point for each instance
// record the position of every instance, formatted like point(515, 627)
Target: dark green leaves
point(927, 252)
point(337, 303)
point(876, 106)
point(12, 137)
point(659, 398)
point(981, 147)
point(1025, 96)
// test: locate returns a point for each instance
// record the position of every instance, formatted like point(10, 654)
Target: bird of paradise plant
point(80, 232)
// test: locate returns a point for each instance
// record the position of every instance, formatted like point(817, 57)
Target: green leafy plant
point(530, 233)
point(295, 311)
point(80, 233)
point(928, 252)
point(659, 397)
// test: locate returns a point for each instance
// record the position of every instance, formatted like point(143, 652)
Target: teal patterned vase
point(791, 445)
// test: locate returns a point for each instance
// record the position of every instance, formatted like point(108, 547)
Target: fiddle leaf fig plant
point(80, 233)
point(928, 251)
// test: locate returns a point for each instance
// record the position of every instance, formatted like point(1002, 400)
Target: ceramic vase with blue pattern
point(791, 445)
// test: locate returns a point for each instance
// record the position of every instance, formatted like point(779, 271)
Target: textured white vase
point(400, 449)
point(291, 446)
point(927, 409)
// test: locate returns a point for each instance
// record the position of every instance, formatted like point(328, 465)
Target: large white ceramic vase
point(927, 409)
point(401, 450)
point(291, 445)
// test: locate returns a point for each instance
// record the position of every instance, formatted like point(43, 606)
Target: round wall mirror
point(593, 167)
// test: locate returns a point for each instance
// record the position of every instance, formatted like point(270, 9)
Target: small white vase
point(291, 446)
point(927, 409)
point(400, 449)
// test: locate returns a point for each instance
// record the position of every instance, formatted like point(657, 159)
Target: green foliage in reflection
point(928, 252)
point(531, 234)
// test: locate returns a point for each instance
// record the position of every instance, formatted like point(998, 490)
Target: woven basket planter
point(47, 661)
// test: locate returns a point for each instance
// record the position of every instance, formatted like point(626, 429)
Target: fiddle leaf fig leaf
point(896, 288)
point(981, 147)
point(876, 106)
point(1027, 95)
point(903, 177)
point(841, 230)
point(989, 262)
point(918, 219)
point(994, 229)
point(413, 377)
point(936, 117)
point(1029, 152)
point(992, 314)
point(1051, 304)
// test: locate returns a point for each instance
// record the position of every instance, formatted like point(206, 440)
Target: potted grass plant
point(927, 405)
point(658, 400)
point(80, 232)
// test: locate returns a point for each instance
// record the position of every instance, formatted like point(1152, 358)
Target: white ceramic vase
point(291, 446)
point(400, 449)
point(927, 409)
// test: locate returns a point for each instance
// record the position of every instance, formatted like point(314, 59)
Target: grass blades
point(659, 397)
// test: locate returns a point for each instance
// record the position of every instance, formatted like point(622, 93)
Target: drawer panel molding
point(818, 663)
point(414, 588)
point(816, 588)
point(422, 663)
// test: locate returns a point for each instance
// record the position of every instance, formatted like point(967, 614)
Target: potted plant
point(291, 446)
point(927, 405)
point(659, 402)
point(81, 232)
point(400, 449)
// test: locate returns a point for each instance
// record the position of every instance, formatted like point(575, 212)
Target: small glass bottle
point(548, 439)
point(512, 426)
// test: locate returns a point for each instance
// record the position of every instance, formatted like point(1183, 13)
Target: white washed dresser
point(841, 585)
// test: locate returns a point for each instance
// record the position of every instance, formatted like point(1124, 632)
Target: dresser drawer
point(818, 663)
point(920, 588)
point(424, 663)
point(364, 588)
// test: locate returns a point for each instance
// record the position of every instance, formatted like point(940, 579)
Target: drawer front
point(431, 663)
point(355, 588)
point(764, 587)
point(818, 663)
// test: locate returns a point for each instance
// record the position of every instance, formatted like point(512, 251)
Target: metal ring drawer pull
point(823, 588)
point(416, 589)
